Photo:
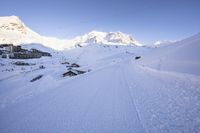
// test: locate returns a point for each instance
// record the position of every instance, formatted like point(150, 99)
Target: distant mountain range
point(163, 42)
point(13, 30)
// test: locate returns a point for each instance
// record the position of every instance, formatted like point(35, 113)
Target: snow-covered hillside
point(157, 93)
point(38, 47)
point(124, 88)
point(13, 30)
point(163, 43)
point(182, 56)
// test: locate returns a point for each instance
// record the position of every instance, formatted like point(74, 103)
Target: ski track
point(111, 100)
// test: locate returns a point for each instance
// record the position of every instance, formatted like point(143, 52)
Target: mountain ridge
point(111, 38)
point(13, 30)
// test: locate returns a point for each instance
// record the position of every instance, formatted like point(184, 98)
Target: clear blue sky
point(146, 20)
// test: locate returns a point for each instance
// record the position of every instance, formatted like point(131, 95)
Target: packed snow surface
point(117, 94)
point(157, 92)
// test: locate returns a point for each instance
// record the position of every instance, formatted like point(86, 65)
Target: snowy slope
point(38, 47)
point(159, 93)
point(182, 56)
point(163, 43)
point(118, 95)
point(13, 30)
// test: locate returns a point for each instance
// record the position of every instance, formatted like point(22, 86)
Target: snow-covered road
point(125, 97)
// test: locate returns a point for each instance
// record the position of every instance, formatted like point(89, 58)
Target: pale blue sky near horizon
point(146, 20)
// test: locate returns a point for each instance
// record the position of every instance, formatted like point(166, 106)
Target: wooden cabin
point(70, 73)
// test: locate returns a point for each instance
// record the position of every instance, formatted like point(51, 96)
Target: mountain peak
point(114, 38)
point(10, 19)
point(12, 24)
point(94, 32)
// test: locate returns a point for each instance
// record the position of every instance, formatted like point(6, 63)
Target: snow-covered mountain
point(13, 30)
point(163, 42)
point(112, 38)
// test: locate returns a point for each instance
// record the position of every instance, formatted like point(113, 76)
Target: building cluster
point(17, 52)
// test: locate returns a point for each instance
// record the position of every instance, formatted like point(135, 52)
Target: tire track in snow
point(96, 102)
point(124, 81)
